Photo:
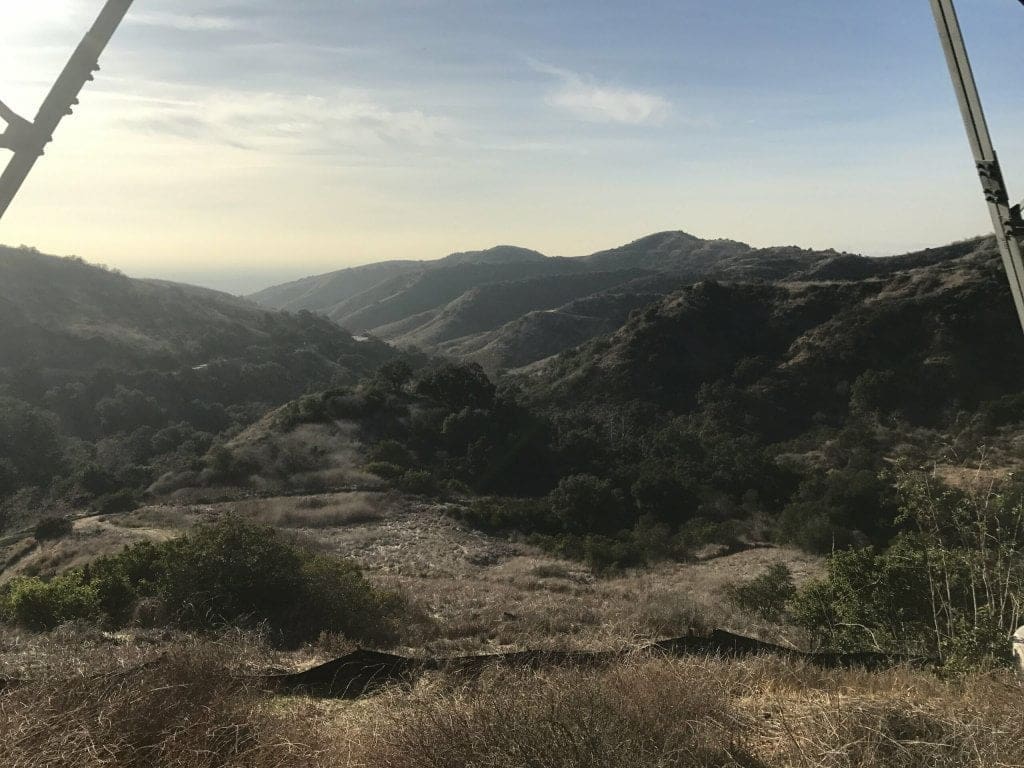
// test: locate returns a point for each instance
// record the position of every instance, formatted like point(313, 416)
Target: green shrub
point(115, 503)
point(418, 482)
point(236, 573)
point(871, 600)
point(39, 605)
point(839, 510)
point(337, 599)
point(951, 587)
point(505, 514)
point(231, 573)
point(391, 452)
point(606, 555)
point(385, 470)
point(588, 504)
point(51, 528)
point(766, 595)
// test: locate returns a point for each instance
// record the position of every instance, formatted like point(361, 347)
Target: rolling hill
point(64, 314)
point(106, 382)
point(924, 335)
point(467, 302)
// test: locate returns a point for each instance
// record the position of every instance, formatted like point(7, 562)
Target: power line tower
point(1006, 218)
point(28, 139)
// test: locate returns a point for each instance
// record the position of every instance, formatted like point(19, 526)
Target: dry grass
point(661, 713)
point(486, 594)
point(93, 704)
point(179, 713)
point(90, 538)
point(318, 512)
point(90, 707)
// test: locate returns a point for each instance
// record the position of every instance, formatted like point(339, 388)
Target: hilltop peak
point(499, 254)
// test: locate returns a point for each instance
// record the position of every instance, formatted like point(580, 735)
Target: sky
point(238, 143)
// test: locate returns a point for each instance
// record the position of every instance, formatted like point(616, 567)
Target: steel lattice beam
point(1006, 218)
point(29, 139)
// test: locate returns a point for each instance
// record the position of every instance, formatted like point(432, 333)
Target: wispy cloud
point(274, 123)
point(186, 22)
point(589, 100)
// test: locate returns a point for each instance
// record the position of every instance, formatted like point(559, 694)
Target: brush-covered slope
point(929, 336)
point(321, 292)
point(437, 287)
point(465, 301)
point(491, 306)
point(106, 383)
point(328, 293)
point(63, 313)
point(540, 334)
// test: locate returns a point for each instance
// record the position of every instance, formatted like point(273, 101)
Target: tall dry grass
point(694, 713)
point(633, 716)
point(185, 709)
point(193, 709)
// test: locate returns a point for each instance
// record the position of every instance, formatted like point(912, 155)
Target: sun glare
point(24, 18)
point(36, 37)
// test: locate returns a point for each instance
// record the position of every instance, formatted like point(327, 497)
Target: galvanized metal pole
point(33, 137)
point(1006, 219)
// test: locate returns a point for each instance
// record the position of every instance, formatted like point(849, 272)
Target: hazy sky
point(280, 139)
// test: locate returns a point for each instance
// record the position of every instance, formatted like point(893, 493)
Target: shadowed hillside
point(461, 304)
point(106, 382)
point(64, 313)
point(323, 293)
point(936, 330)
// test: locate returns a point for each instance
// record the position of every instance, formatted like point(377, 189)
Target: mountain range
point(507, 307)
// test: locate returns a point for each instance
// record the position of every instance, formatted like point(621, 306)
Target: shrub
point(238, 574)
point(337, 599)
point(115, 503)
point(40, 606)
point(51, 528)
point(391, 452)
point(418, 482)
point(385, 470)
point(30, 445)
point(587, 504)
point(505, 514)
point(395, 374)
point(951, 587)
point(869, 600)
point(839, 510)
point(606, 555)
point(457, 386)
point(766, 595)
point(228, 467)
point(232, 573)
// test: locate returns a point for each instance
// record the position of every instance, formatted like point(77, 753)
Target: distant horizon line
point(231, 280)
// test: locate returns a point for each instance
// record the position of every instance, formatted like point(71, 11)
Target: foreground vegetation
point(227, 575)
point(197, 707)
